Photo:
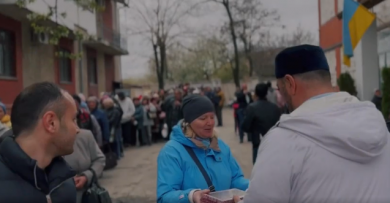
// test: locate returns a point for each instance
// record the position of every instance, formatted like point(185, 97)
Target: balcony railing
point(113, 37)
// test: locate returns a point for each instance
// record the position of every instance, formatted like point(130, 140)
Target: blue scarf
point(205, 141)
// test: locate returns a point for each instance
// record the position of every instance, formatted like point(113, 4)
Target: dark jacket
point(167, 107)
point(139, 116)
point(241, 99)
point(101, 117)
point(260, 116)
point(114, 118)
point(213, 98)
point(378, 102)
point(23, 182)
point(176, 114)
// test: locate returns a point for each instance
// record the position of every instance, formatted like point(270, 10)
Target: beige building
point(26, 58)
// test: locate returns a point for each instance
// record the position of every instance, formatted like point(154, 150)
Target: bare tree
point(251, 21)
point(269, 46)
point(161, 23)
point(228, 5)
point(298, 37)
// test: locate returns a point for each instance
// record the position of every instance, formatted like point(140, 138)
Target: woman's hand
point(198, 195)
point(237, 199)
point(80, 182)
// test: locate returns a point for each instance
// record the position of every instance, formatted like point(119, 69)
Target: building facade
point(330, 24)
point(27, 58)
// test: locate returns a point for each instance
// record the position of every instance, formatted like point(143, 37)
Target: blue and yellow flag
point(356, 20)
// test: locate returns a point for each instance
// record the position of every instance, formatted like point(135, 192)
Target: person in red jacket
point(235, 107)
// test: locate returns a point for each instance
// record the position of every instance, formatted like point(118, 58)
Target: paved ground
point(134, 179)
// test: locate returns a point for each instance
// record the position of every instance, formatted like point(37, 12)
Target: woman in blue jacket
point(179, 179)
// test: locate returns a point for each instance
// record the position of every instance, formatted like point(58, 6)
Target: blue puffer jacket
point(177, 173)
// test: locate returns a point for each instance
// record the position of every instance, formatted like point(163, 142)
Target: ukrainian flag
point(356, 20)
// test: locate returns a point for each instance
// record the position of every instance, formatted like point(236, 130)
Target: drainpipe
point(80, 67)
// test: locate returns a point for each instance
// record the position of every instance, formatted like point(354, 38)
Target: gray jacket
point(332, 149)
point(86, 155)
point(97, 131)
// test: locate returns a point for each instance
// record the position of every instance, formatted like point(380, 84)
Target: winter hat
point(3, 107)
point(300, 59)
point(194, 106)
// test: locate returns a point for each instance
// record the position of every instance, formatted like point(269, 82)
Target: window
point(7, 54)
point(92, 70)
point(65, 65)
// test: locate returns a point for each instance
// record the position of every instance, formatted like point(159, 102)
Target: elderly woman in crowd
point(179, 178)
point(5, 119)
point(114, 121)
point(85, 158)
point(150, 112)
point(101, 117)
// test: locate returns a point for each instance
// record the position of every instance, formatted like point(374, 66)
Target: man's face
point(378, 93)
point(136, 102)
point(63, 139)
point(244, 87)
point(284, 92)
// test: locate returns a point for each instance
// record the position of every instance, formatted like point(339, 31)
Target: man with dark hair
point(243, 98)
point(44, 129)
point(260, 116)
point(330, 148)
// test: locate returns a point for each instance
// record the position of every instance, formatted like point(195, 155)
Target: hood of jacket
point(340, 124)
point(178, 135)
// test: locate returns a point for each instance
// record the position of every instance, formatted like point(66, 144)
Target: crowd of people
point(310, 142)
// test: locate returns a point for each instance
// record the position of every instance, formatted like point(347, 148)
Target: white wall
point(74, 15)
point(344, 68)
point(332, 62)
point(382, 12)
point(327, 10)
point(340, 5)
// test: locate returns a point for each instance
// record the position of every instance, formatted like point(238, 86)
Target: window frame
point(10, 44)
point(92, 70)
point(61, 70)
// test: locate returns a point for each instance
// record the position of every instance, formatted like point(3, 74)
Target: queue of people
point(329, 147)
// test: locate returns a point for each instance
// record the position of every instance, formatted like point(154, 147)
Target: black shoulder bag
point(201, 168)
point(96, 193)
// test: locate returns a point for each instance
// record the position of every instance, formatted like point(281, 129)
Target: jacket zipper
point(48, 197)
point(52, 190)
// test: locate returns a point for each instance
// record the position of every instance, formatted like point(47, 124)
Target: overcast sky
point(293, 13)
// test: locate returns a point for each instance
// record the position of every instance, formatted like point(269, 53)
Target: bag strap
point(94, 177)
point(201, 168)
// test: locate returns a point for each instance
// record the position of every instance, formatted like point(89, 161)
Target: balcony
point(109, 41)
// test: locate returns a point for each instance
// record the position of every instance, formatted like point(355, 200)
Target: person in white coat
point(128, 109)
point(331, 148)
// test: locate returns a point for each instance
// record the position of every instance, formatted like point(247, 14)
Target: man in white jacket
point(331, 148)
point(128, 109)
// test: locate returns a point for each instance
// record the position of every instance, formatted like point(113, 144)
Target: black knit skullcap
point(300, 59)
point(194, 106)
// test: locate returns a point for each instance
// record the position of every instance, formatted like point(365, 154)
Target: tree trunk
point(160, 76)
point(248, 50)
point(163, 59)
point(250, 60)
point(236, 70)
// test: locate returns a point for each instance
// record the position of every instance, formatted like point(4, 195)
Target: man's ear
point(290, 84)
